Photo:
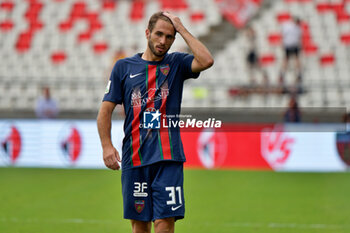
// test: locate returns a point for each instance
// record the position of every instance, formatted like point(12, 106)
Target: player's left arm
point(202, 57)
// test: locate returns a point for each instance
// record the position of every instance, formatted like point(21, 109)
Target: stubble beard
point(153, 50)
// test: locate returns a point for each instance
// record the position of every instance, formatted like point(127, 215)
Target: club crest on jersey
point(165, 69)
point(139, 205)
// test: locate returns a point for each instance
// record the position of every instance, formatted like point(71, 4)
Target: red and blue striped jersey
point(148, 86)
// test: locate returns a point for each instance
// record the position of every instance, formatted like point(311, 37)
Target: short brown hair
point(154, 19)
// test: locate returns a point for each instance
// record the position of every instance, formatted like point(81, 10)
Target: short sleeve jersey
point(148, 86)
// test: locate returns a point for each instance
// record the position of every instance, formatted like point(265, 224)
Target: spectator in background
point(346, 117)
point(292, 114)
point(291, 36)
point(252, 58)
point(46, 107)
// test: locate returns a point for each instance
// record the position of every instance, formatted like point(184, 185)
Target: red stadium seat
point(283, 17)
point(197, 16)
point(323, 7)
point(23, 42)
point(33, 11)
point(79, 11)
point(58, 57)
point(298, 1)
point(308, 45)
point(137, 10)
point(84, 36)
point(338, 8)
point(109, 5)
point(310, 49)
point(6, 26)
point(65, 26)
point(7, 6)
point(345, 38)
point(267, 59)
point(327, 59)
point(275, 38)
point(100, 47)
point(173, 5)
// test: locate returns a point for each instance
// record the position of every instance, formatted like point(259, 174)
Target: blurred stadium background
point(71, 46)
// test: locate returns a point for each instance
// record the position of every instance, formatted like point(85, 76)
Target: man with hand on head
point(150, 84)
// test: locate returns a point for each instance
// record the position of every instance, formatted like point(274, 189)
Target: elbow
point(209, 62)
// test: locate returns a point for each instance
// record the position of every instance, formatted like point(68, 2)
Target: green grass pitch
point(89, 201)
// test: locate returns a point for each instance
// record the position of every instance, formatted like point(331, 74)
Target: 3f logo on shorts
point(140, 189)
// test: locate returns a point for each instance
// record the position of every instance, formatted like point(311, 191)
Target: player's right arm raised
point(104, 125)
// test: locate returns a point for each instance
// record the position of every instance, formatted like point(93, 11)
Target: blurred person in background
point(291, 39)
point(252, 58)
point(346, 117)
point(46, 106)
point(292, 114)
point(152, 158)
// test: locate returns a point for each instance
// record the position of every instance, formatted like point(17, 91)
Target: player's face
point(161, 38)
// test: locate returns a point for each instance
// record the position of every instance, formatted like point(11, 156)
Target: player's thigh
point(136, 190)
point(167, 191)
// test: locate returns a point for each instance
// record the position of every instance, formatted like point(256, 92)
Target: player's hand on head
point(175, 20)
point(111, 158)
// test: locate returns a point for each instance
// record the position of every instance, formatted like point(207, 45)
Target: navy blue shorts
point(154, 191)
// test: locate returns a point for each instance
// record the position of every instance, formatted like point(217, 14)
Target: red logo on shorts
point(139, 206)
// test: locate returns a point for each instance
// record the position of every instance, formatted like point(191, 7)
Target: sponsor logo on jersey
point(11, 144)
point(165, 69)
point(343, 146)
point(135, 75)
point(139, 205)
point(137, 99)
point(71, 144)
point(173, 208)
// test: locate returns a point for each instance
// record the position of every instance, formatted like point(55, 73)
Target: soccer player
point(149, 85)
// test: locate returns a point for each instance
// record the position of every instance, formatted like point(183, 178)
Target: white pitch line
point(224, 224)
point(72, 220)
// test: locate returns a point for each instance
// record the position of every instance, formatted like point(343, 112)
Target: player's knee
point(164, 225)
point(141, 227)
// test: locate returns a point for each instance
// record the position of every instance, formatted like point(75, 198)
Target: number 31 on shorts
point(172, 195)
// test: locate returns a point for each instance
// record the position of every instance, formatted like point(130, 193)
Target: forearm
point(104, 126)
point(199, 50)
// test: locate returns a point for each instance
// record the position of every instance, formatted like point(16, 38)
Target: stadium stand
point(325, 42)
point(70, 45)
